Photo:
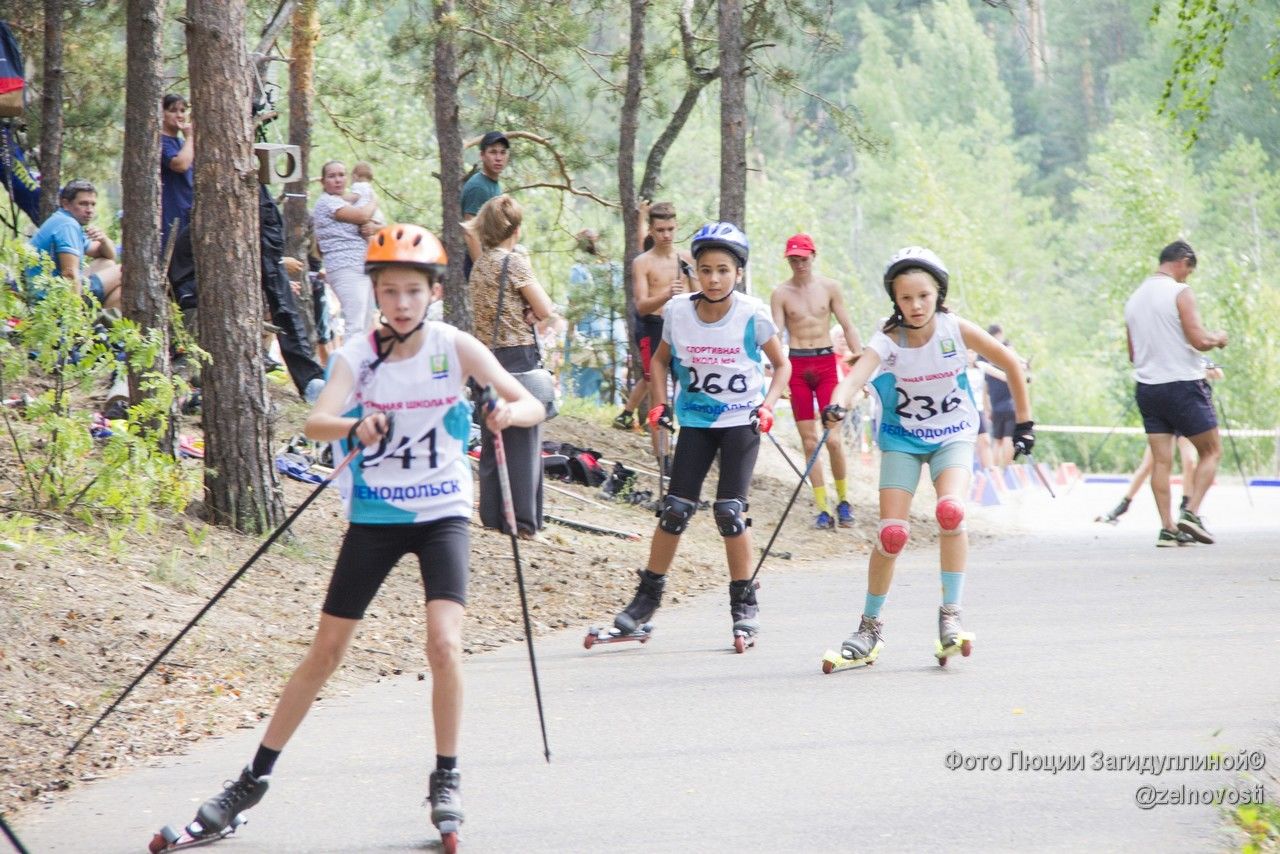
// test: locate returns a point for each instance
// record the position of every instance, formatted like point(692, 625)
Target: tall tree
point(51, 109)
point(733, 115)
point(144, 290)
point(239, 488)
point(302, 93)
point(457, 297)
point(628, 127)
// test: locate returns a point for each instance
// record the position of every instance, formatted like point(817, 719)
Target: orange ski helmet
point(407, 245)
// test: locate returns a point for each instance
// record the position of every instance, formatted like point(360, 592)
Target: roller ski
point(745, 612)
point(446, 806)
point(191, 836)
point(612, 634)
point(632, 624)
point(952, 639)
point(860, 649)
point(1112, 517)
point(217, 817)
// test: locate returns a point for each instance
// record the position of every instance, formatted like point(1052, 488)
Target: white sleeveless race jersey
point(925, 398)
point(719, 367)
point(419, 472)
point(1161, 352)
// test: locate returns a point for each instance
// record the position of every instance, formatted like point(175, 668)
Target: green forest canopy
point(1035, 160)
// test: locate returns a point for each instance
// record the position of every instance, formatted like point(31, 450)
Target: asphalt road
point(1093, 646)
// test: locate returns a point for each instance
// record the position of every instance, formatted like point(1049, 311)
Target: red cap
point(800, 244)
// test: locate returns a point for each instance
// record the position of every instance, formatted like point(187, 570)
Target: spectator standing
point(342, 231)
point(177, 173)
point(506, 300)
point(1166, 337)
point(481, 187)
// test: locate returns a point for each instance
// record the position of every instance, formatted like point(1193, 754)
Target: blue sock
point(874, 604)
point(952, 587)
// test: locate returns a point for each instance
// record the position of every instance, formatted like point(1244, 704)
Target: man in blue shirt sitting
point(67, 239)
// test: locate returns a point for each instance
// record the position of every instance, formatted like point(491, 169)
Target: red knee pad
point(893, 536)
point(950, 513)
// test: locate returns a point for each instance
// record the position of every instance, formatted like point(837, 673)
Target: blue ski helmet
point(722, 235)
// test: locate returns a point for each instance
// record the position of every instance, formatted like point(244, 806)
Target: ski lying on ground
point(592, 529)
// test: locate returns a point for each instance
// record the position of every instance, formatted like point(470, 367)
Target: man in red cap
point(803, 306)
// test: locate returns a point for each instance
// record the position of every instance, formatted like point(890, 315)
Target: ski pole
point(1235, 451)
point(509, 512)
point(812, 459)
point(1044, 480)
point(662, 460)
point(13, 837)
point(275, 535)
point(786, 456)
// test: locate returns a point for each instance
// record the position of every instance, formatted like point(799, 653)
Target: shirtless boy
point(657, 275)
point(803, 305)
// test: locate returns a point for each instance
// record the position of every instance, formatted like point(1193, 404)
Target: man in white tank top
point(1166, 337)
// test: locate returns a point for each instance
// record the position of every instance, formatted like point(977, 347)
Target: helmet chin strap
point(393, 338)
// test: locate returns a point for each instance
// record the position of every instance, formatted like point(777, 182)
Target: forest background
point(1025, 142)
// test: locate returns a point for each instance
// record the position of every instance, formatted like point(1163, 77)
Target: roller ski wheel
point(191, 836)
point(612, 634)
point(963, 646)
point(449, 837)
point(743, 641)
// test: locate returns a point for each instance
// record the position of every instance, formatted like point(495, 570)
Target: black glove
point(1024, 438)
point(833, 414)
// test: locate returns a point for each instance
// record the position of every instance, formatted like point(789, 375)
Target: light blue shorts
point(901, 470)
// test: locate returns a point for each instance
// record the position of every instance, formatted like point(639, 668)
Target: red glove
point(762, 419)
point(660, 416)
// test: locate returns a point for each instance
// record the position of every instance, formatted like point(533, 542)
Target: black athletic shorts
point(370, 551)
point(648, 337)
point(696, 451)
point(1003, 424)
point(984, 426)
point(1184, 406)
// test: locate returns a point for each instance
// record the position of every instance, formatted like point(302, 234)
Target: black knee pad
point(675, 513)
point(729, 516)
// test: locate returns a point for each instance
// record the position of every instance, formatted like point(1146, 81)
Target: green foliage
point(59, 466)
point(1261, 822)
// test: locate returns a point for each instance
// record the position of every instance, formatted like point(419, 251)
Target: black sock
point(264, 760)
point(446, 763)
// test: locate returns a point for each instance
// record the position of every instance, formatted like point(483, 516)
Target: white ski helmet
point(917, 256)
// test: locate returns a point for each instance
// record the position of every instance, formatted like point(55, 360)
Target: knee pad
point(950, 515)
point(893, 536)
point(729, 518)
point(675, 513)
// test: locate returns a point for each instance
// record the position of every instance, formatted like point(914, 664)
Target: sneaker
point(271, 365)
point(1169, 539)
point(1190, 523)
point(313, 389)
point(624, 421)
point(1183, 505)
point(236, 797)
point(844, 514)
point(824, 522)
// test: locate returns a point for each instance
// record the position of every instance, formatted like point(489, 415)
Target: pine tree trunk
point(628, 127)
point(144, 290)
point(302, 70)
point(51, 109)
point(457, 297)
point(240, 489)
point(733, 118)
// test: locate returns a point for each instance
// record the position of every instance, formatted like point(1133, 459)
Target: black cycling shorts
point(696, 451)
point(370, 551)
